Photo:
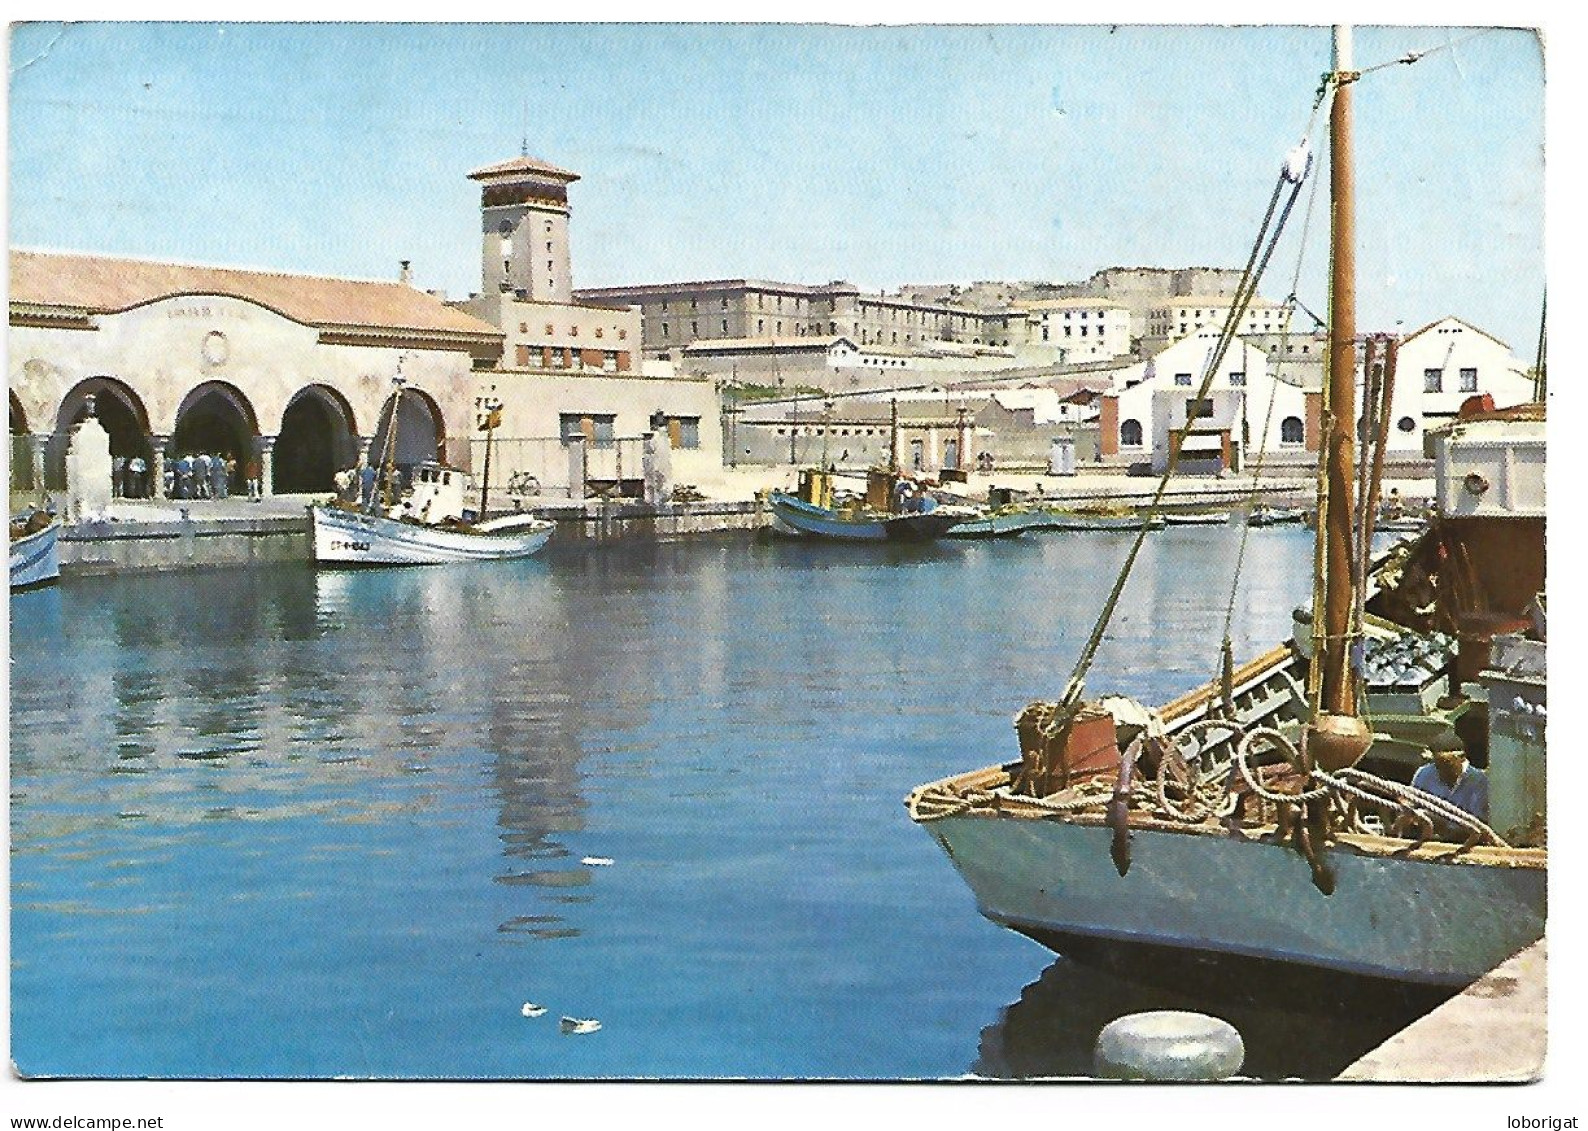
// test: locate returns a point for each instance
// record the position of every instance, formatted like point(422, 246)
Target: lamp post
point(962, 455)
point(827, 422)
point(490, 407)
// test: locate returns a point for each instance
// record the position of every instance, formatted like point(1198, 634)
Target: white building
point(1078, 329)
point(1152, 399)
point(1440, 366)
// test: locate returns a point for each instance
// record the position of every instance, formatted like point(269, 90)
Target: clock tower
point(524, 230)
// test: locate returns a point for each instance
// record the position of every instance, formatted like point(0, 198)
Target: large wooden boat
point(35, 558)
point(1266, 817)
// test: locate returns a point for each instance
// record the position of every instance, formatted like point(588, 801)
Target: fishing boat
point(1005, 522)
point(35, 560)
point(1266, 514)
point(428, 525)
point(1058, 518)
point(1198, 518)
point(883, 514)
point(894, 508)
point(1266, 819)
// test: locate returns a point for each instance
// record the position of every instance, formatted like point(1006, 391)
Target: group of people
point(202, 475)
point(129, 477)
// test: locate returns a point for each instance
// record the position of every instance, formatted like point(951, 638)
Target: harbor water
point(288, 823)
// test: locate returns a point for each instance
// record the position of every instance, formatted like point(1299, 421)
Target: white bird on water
point(532, 1010)
point(580, 1025)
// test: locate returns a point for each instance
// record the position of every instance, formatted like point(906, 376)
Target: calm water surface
point(298, 823)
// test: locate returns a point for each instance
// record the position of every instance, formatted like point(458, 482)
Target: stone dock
point(1494, 1031)
point(139, 536)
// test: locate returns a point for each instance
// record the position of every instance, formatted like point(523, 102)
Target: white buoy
point(532, 1010)
point(1168, 1044)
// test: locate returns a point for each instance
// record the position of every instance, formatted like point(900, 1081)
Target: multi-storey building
point(679, 315)
point(1078, 329)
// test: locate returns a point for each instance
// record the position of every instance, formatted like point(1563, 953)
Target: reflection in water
point(286, 822)
point(1052, 1030)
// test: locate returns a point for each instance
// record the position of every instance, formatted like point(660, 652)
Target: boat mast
point(1338, 696)
point(1338, 738)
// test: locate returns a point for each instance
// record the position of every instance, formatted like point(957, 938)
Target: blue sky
point(883, 155)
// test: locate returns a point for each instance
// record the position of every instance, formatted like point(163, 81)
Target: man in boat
point(1450, 777)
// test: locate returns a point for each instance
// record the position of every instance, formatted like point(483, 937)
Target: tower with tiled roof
point(524, 230)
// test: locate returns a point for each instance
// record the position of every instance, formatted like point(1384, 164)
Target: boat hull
point(350, 538)
point(35, 559)
point(801, 519)
point(1402, 918)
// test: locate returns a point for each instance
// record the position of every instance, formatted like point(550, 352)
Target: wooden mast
point(1337, 737)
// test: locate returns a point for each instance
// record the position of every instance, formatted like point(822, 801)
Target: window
point(1406, 424)
point(724, 325)
point(605, 431)
point(664, 329)
point(1237, 379)
point(1291, 430)
point(1469, 380)
point(1433, 380)
point(571, 426)
point(694, 329)
point(1130, 434)
point(1183, 379)
point(609, 362)
point(1199, 409)
point(684, 431)
point(597, 430)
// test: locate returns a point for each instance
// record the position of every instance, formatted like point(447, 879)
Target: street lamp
point(827, 427)
point(490, 409)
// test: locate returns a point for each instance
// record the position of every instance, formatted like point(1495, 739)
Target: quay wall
point(104, 547)
point(98, 547)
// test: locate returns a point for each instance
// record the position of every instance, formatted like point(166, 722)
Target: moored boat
point(35, 556)
point(884, 514)
point(346, 536)
point(1279, 814)
point(427, 526)
point(1198, 518)
point(1058, 518)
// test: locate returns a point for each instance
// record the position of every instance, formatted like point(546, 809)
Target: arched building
point(294, 370)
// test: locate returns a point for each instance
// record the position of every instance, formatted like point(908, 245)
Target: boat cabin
point(436, 494)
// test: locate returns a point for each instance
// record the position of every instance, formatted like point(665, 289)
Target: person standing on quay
point(118, 477)
point(218, 482)
point(231, 474)
point(253, 474)
point(201, 475)
point(184, 476)
point(135, 472)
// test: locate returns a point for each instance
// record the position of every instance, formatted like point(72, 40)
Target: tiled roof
point(100, 284)
point(524, 165)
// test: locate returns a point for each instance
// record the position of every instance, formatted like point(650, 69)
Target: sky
point(804, 153)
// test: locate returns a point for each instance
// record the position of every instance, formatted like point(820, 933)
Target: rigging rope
point(1294, 172)
point(1291, 302)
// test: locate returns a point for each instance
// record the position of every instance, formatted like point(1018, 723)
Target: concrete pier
point(1494, 1031)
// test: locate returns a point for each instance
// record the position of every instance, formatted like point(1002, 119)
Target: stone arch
point(121, 413)
point(421, 434)
point(216, 418)
point(318, 437)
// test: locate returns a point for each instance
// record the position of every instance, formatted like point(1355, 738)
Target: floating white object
point(1169, 1044)
point(580, 1024)
point(597, 861)
point(532, 1010)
